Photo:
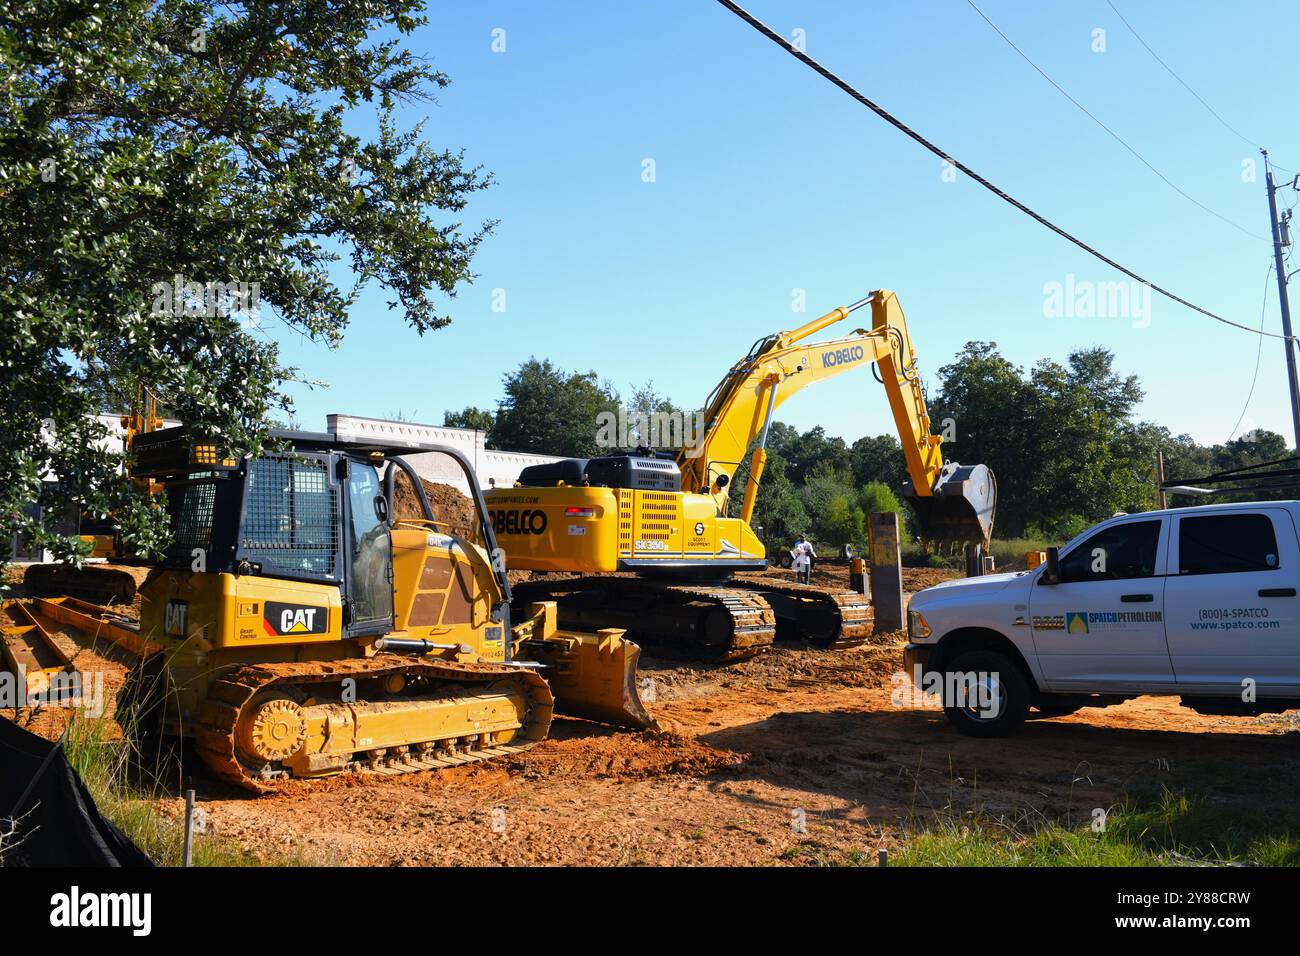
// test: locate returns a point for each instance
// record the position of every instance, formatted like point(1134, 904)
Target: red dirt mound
point(450, 507)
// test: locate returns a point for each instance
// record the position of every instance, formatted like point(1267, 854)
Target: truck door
point(1101, 627)
point(1231, 608)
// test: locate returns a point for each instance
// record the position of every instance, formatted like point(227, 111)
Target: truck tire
point(1008, 704)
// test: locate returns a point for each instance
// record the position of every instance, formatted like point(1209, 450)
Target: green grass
point(1169, 829)
point(987, 843)
point(1008, 555)
point(130, 796)
point(1166, 828)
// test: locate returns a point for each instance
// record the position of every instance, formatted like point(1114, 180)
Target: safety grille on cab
point(290, 521)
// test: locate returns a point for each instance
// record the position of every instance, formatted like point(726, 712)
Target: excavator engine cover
point(961, 506)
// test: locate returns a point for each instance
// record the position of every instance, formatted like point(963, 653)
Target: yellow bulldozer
point(652, 533)
point(295, 628)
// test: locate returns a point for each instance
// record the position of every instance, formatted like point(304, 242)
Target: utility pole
point(1160, 479)
point(1280, 240)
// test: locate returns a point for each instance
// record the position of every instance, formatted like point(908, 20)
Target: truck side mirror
point(1053, 573)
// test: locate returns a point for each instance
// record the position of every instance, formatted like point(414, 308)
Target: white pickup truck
point(1195, 602)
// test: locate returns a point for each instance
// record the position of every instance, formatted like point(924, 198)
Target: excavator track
point(693, 622)
point(823, 618)
point(232, 700)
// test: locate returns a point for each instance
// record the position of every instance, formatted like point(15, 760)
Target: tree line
point(1063, 440)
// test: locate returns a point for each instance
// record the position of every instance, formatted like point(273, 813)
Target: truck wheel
point(993, 702)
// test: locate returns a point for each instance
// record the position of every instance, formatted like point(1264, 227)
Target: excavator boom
point(952, 502)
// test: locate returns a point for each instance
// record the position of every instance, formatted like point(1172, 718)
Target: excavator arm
point(951, 501)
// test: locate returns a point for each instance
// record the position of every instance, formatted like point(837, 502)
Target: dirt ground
point(748, 754)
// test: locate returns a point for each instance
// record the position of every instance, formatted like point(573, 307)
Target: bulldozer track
point(230, 693)
point(694, 622)
point(827, 619)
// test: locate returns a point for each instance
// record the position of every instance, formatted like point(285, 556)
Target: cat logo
point(176, 618)
point(1076, 622)
point(282, 619)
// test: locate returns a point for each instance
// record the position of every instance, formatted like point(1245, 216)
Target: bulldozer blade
point(960, 507)
point(593, 676)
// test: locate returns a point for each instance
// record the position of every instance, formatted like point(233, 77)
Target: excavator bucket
point(591, 675)
point(960, 507)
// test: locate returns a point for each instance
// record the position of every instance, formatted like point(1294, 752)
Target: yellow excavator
point(295, 629)
point(665, 522)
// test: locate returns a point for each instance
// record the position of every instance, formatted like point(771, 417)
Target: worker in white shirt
point(803, 553)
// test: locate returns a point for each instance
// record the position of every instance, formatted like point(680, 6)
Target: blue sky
point(768, 180)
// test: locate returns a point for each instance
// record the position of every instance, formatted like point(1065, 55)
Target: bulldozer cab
point(317, 517)
point(318, 512)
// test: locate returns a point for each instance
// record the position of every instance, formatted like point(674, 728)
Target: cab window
point(1112, 554)
point(1224, 544)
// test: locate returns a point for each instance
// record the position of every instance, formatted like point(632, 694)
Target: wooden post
point(886, 572)
point(189, 828)
point(1160, 478)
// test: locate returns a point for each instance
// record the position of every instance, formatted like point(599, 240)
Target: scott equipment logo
point(516, 521)
point(843, 356)
point(280, 619)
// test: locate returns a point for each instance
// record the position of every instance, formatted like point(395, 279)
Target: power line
point(1005, 197)
point(1259, 352)
point(1119, 139)
point(1170, 70)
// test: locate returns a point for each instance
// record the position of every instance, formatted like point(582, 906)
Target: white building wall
point(492, 467)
